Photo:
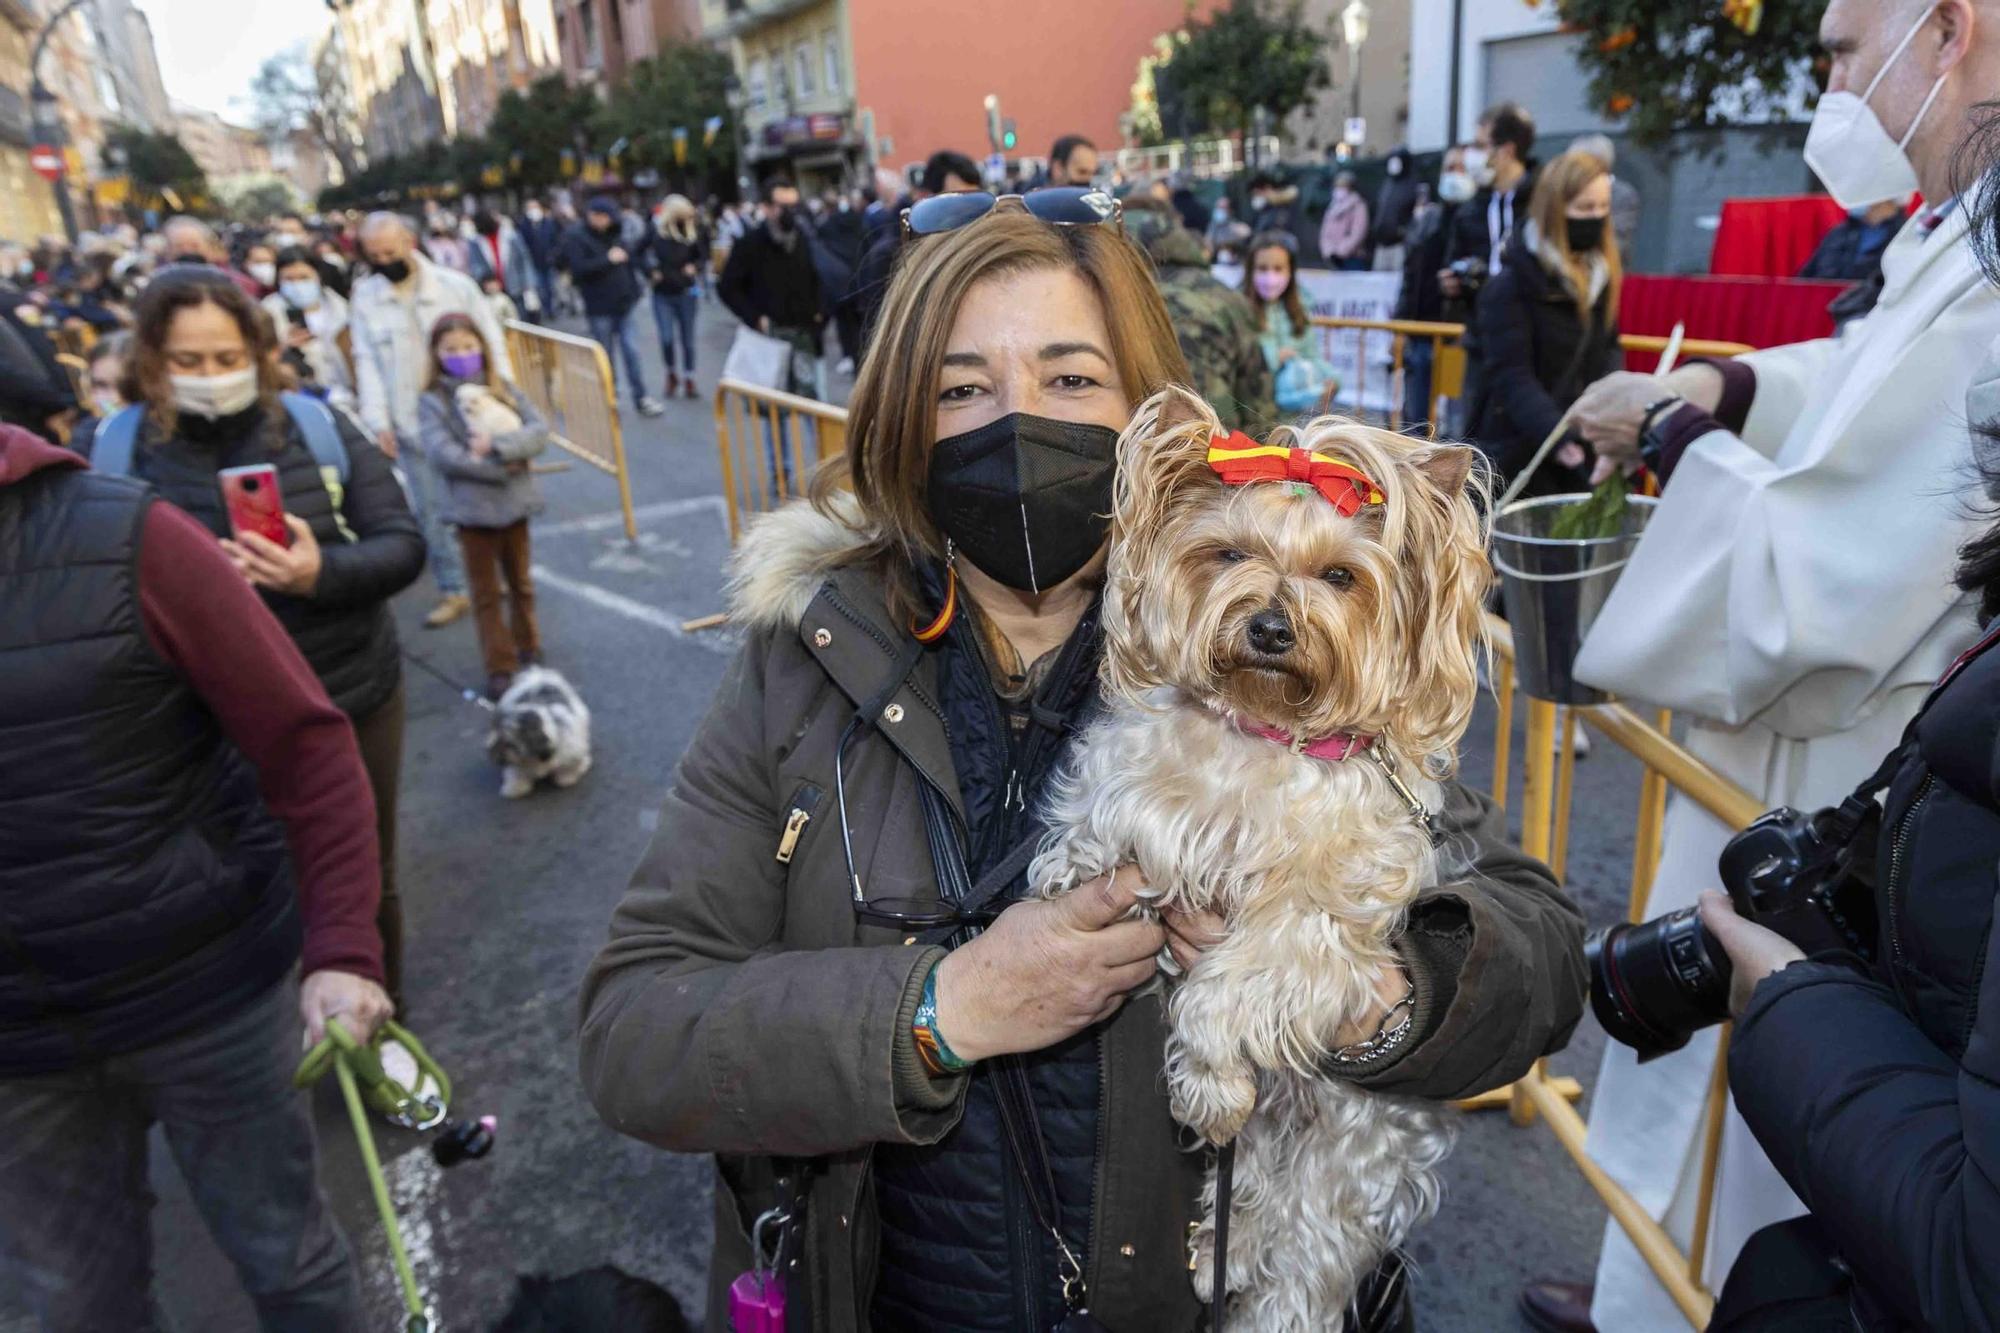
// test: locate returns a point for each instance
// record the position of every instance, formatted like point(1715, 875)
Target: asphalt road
point(508, 901)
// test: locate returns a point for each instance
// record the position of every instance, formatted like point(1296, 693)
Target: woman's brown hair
point(1556, 188)
point(464, 324)
point(892, 413)
point(149, 380)
point(1295, 305)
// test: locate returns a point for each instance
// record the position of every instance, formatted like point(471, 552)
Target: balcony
point(742, 17)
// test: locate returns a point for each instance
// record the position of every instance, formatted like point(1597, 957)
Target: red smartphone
point(250, 494)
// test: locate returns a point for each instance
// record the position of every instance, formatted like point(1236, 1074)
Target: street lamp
point(1354, 29)
point(47, 123)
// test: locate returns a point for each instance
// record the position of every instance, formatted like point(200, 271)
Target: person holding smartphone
point(203, 377)
point(310, 318)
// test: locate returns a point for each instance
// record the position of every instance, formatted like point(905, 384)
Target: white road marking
point(723, 645)
point(692, 504)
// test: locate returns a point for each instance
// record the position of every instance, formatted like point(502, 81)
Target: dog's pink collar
point(1337, 748)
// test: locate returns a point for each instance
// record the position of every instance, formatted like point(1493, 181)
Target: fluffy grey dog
point(541, 729)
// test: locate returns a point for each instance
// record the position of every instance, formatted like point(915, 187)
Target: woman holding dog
point(921, 652)
point(204, 380)
point(489, 491)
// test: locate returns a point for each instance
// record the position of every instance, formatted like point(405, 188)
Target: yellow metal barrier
point(1448, 357)
point(1548, 790)
point(568, 379)
point(771, 443)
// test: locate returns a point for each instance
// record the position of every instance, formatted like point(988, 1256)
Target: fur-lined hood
point(785, 557)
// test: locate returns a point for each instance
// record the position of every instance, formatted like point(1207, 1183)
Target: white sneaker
point(651, 407)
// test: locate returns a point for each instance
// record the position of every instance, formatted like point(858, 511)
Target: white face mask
point(264, 273)
point(1455, 187)
point(1851, 152)
point(300, 293)
point(216, 395)
point(1479, 166)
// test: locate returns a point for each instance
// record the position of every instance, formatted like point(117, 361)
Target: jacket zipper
point(804, 803)
point(1901, 842)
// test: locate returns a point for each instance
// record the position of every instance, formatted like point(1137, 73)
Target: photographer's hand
point(1045, 971)
point(1755, 952)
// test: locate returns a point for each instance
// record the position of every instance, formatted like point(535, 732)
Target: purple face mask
point(1271, 285)
point(464, 365)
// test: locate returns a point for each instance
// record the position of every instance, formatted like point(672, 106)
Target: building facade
point(1371, 83)
point(795, 64)
point(129, 79)
point(923, 70)
point(484, 48)
point(390, 74)
point(220, 149)
point(601, 39)
point(331, 76)
point(27, 202)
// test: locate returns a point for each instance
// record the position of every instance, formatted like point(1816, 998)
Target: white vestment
point(1793, 599)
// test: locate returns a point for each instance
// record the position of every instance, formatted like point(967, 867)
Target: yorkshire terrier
point(1292, 638)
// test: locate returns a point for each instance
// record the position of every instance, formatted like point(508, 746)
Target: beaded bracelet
point(1387, 1036)
point(931, 1048)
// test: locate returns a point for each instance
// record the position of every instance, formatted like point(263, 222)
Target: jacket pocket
point(799, 815)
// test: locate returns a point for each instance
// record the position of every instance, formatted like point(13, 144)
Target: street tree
point(1670, 65)
point(285, 98)
point(256, 198)
point(1211, 77)
point(682, 88)
point(158, 164)
point(538, 126)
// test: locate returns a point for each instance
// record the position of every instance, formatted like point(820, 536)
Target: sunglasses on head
point(1059, 206)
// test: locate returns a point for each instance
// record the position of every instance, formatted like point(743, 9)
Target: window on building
point(833, 62)
point(802, 70)
point(593, 40)
point(759, 90)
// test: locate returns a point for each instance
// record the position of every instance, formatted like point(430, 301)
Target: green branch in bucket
point(1599, 517)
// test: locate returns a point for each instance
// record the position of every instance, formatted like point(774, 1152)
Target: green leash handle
point(356, 1066)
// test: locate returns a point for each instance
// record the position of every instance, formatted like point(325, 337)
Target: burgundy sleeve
point(1688, 423)
point(208, 624)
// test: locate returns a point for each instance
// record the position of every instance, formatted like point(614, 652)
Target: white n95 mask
point(1851, 152)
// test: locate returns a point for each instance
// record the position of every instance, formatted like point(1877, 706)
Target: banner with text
point(1364, 366)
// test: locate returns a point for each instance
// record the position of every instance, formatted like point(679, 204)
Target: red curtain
point(1762, 312)
point(1771, 238)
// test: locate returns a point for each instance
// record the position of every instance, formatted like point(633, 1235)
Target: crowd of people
point(203, 724)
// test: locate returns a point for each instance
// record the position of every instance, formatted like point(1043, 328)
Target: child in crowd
point(480, 432)
point(1291, 345)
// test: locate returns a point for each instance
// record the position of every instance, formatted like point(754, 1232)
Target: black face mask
point(1585, 234)
point(1027, 499)
point(395, 270)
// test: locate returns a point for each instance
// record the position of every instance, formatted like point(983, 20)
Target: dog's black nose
point(1270, 631)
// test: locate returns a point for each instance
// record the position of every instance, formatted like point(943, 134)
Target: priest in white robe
point(1792, 598)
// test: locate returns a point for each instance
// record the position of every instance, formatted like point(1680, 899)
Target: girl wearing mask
point(309, 319)
point(489, 491)
point(1301, 378)
point(1547, 325)
point(204, 375)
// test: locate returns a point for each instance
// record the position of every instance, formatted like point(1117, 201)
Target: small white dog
point(1291, 631)
point(485, 412)
point(541, 729)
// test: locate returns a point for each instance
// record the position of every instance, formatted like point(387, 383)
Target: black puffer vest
point(960, 1248)
point(144, 889)
point(352, 649)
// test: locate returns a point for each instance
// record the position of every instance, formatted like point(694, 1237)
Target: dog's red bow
point(1240, 460)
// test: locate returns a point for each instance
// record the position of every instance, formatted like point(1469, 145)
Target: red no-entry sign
point(46, 161)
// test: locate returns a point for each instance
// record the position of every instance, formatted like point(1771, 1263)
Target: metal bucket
point(1555, 588)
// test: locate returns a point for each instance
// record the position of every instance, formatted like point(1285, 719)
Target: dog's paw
point(1201, 1261)
point(516, 784)
point(1214, 1104)
point(569, 777)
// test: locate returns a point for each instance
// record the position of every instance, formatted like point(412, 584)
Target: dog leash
point(1225, 1182)
point(471, 696)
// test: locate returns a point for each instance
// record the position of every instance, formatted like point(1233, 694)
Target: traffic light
point(1008, 138)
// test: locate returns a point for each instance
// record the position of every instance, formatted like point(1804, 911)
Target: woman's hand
point(1755, 952)
point(1572, 456)
point(1392, 987)
point(360, 1004)
point(298, 336)
point(480, 443)
point(1192, 934)
point(294, 569)
point(1045, 971)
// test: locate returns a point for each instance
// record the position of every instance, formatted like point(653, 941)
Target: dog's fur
point(1311, 862)
point(541, 729)
point(484, 412)
point(597, 1300)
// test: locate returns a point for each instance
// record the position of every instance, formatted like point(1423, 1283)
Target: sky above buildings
point(209, 50)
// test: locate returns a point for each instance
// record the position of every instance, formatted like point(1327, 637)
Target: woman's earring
point(934, 631)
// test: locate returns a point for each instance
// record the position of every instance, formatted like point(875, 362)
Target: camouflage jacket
point(1218, 333)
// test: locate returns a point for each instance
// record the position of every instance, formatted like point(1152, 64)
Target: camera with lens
point(1470, 272)
point(1807, 877)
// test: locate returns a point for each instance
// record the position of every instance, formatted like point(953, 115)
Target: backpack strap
point(117, 436)
point(315, 422)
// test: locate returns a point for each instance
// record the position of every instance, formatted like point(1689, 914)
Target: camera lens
point(1653, 986)
point(251, 484)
